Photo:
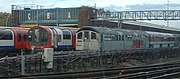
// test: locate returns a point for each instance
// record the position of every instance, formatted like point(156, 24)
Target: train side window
point(129, 37)
point(109, 38)
point(106, 38)
point(79, 36)
point(19, 36)
point(5, 35)
point(122, 37)
point(93, 35)
point(119, 37)
point(113, 37)
point(59, 38)
point(66, 35)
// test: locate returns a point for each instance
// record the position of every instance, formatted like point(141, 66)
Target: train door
point(121, 43)
point(86, 40)
point(52, 38)
point(24, 37)
point(55, 38)
point(59, 38)
point(67, 40)
point(73, 31)
point(18, 39)
point(79, 41)
point(93, 42)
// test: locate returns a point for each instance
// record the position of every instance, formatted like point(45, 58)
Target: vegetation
point(3, 18)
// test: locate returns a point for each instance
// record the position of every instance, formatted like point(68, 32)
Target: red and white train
point(59, 38)
point(13, 39)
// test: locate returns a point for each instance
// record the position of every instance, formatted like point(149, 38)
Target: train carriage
point(159, 40)
point(102, 38)
point(55, 37)
point(140, 39)
point(6, 40)
point(177, 40)
point(121, 39)
point(20, 38)
point(127, 39)
point(90, 38)
point(13, 39)
point(61, 37)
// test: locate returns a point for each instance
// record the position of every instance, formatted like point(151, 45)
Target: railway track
point(168, 70)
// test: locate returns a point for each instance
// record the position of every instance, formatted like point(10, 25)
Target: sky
point(113, 5)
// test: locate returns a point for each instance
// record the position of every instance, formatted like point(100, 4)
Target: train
point(106, 39)
point(98, 38)
point(59, 38)
point(13, 40)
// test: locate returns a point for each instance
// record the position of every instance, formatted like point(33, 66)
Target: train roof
point(160, 34)
point(105, 30)
point(101, 30)
point(151, 25)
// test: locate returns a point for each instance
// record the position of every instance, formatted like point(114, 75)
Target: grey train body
point(106, 39)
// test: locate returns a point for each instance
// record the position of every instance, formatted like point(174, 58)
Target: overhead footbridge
point(131, 20)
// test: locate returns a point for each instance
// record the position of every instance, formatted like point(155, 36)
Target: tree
point(4, 18)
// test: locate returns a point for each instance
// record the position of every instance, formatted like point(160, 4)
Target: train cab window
point(79, 36)
point(66, 35)
point(5, 35)
point(93, 35)
point(44, 37)
point(37, 35)
point(19, 36)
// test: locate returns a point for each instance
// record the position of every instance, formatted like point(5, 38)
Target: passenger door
point(24, 40)
point(67, 40)
point(18, 39)
point(79, 41)
point(93, 43)
point(86, 40)
point(55, 39)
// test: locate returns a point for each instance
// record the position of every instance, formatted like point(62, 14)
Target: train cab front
point(39, 37)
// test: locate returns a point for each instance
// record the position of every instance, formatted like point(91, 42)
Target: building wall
point(86, 15)
point(15, 18)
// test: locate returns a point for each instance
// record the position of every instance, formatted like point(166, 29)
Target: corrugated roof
point(101, 30)
point(151, 25)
